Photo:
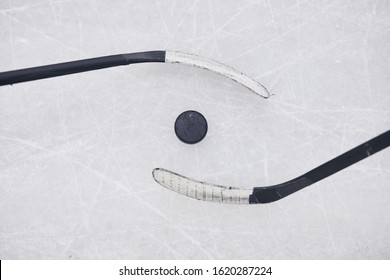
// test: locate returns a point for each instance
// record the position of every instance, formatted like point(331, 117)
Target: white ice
point(77, 152)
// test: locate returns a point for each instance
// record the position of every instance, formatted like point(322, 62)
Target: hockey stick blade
point(217, 193)
point(200, 190)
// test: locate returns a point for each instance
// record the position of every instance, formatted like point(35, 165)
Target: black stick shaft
point(276, 192)
point(348, 158)
point(66, 68)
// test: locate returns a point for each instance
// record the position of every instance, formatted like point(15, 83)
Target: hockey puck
point(190, 127)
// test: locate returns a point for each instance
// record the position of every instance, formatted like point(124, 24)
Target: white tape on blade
point(201, 190)
point(217, 67)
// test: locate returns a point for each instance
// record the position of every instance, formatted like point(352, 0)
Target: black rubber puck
point(190, 127)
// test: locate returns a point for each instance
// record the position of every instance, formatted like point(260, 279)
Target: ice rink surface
point(77, 152)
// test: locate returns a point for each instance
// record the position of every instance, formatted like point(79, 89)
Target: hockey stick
point(60, 69)
point(216, 193)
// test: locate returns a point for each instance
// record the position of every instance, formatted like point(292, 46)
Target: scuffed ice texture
point(77, 152)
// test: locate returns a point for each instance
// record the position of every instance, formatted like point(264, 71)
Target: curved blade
point(219, 68)
point(200, 190)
